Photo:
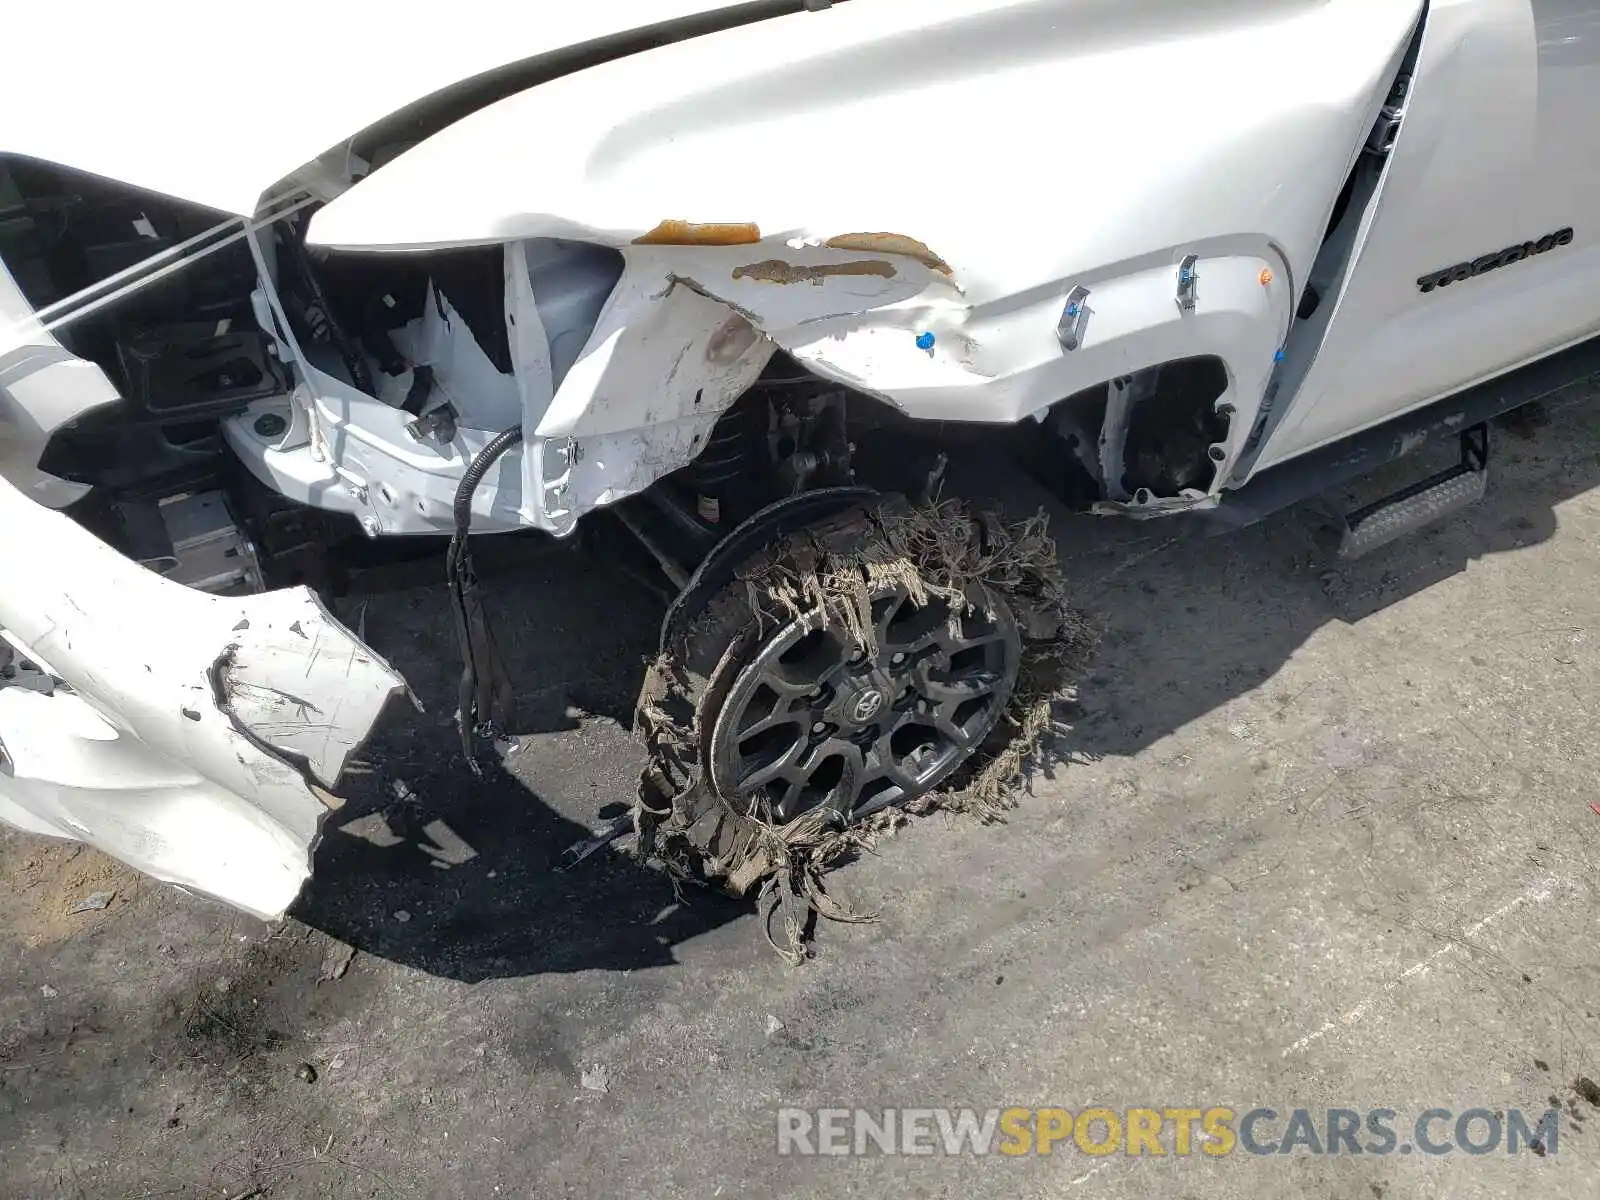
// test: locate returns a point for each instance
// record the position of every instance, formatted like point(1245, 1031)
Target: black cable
point(360, 373)
point(476, 470)
point(485, 697)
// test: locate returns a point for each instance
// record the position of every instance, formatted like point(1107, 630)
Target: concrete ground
point(1324, 839)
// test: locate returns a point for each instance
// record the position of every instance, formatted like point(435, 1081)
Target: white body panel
point(1499, 147)
point(175, 95)
point(42, 388)
point(891, 231)
point(171, 735)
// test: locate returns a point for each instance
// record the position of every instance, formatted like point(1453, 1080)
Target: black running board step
point(1421, 504)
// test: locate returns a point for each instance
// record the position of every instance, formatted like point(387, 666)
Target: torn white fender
point(686, 331)
point(852, 312)
point(663, 363)
point(878, 193)
point(689, 328)
point(187, 734)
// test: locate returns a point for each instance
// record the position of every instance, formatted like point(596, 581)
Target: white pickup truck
point(273, 283)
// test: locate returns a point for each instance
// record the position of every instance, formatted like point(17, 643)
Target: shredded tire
point(826, 574)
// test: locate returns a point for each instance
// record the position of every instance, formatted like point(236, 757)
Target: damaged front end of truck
point(707, 270)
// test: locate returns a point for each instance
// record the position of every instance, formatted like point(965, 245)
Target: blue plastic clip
point(1073, 318)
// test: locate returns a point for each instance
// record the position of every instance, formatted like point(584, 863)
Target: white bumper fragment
point(187, 734)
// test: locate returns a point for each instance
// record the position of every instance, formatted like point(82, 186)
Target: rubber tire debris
point(826, 573)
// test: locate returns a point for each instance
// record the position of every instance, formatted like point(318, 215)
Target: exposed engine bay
point(270, 409)
point(201, 364)
point(269, 402)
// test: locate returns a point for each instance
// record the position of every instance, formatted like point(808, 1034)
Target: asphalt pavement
point(1321, 838)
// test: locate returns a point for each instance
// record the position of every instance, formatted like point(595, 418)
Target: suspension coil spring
point(733, 453)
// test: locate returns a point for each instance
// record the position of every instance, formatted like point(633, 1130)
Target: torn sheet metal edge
point(889, 324)
point(1191, 500)
point(195, 733)
point(688, 328)
point(1122, 394)
point(661, 365)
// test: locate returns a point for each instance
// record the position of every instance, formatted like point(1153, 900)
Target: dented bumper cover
point(192, 736)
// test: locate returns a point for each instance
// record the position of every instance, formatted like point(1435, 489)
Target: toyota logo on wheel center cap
point(867, 705)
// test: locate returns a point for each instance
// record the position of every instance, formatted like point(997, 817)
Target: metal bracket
point(438, 424)
point(560, 456)
point(1475, 447)
point(1073, 318)
point(1387, 129)
point(1188, 279)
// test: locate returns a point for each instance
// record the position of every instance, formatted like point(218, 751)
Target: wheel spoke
point(799, 664)
point(800, 777)
point(967, 687)
point(779, 768)
point(891, 609)
point(925, 628)
point(939, 636)
point(832, 747)
point(920, 645)
point(887, 766)
point(943, 720)
point(787, 808)
point(788, 689)
point(854, 778)
point(787, 717)
point(956, 640)
point(987, 638)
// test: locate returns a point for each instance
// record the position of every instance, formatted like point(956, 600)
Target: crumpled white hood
point(215, 103)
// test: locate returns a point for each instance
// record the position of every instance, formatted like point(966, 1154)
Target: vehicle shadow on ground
point(460, 878)
point(1194, 621)
point(456, 874)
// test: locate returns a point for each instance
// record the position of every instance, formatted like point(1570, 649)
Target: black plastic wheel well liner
point(777, 520)
point(1169, 433)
